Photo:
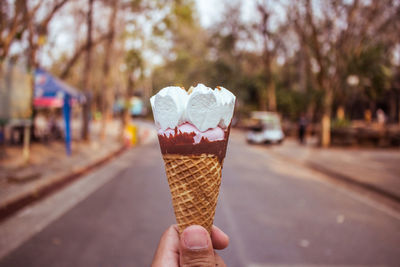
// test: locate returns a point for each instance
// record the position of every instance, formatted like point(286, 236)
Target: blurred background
point(314, 150)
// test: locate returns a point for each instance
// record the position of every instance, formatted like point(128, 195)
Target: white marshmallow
point(204, 108)
point(226, 101)
point(169, 107)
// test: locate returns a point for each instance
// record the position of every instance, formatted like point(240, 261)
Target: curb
point(344, 178)
point(11, 207)
point(349, 180)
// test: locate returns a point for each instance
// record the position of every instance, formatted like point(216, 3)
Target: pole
point(27, 138)
point(67, 122)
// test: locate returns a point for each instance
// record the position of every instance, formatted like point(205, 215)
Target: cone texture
point(194, 182)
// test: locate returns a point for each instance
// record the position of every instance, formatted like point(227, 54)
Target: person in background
point(368, 116)
point(302, 128)
point(2, 138)
point(41, 127)
point(380, 117)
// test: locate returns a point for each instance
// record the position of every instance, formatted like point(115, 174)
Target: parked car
point(265, 128)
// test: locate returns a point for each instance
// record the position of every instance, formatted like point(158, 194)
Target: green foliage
point(371, 64)
point(134, 60)
point(343, 123)
point(215, 57)
point(291, 103)
point(3, 122)
point(239, 56)
point(183, 10)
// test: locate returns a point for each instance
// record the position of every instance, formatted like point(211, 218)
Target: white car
point(266, 128)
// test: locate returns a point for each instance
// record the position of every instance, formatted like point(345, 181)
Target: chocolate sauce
point(183, 144)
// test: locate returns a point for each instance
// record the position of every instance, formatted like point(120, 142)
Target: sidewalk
point(49, 166)
point(375, 169)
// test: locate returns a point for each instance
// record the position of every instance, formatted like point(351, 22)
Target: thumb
point(196, 247)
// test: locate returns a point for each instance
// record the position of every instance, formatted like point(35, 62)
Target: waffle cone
point(194, 182)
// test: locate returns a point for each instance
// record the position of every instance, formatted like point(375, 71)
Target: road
point(276, 214)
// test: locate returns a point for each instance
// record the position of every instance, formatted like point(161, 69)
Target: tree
point(22, 17)
point(14, 23)
point(267, 96)
point(332, 46)
point(71, 62)
point(183, 47)
point(107, 92)
point(86, 73)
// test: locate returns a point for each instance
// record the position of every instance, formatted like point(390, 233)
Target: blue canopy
point(48, 86)
point(50, 91)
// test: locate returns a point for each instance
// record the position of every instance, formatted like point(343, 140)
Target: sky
point(208, 10)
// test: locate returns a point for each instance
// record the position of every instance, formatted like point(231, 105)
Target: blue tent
point(52, 92)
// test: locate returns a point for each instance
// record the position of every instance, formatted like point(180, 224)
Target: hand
point(193, 248)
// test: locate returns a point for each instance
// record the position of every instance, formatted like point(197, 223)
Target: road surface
point(276, 214)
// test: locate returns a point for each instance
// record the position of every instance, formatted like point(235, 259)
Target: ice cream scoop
point(169, 106)
point(227, 103)
point(204, 107)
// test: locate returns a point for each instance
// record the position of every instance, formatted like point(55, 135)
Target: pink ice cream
point(193, 122)
point(214, 134)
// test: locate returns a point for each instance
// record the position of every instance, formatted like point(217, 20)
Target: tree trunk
point(326, 129)
point(268, 99)
point(271, 95)
point(263, 100)
point(396, 92)
point(86, 75)
point(126, 112)
point(30, 68)
point(108, 94)
point(270, 90)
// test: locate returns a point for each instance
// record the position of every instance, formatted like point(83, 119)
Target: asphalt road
point(276, 214)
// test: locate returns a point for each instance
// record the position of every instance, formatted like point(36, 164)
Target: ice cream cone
point(194, 182)
point(193, 130)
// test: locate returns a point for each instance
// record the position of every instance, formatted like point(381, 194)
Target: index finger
point(168, 248)
point(219, 239)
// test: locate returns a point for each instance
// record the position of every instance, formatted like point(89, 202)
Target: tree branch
point(316, 47)
point(48, 18)
point(78, 53)
point(390, 20)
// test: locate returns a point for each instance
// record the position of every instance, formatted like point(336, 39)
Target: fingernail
point(195, 237)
